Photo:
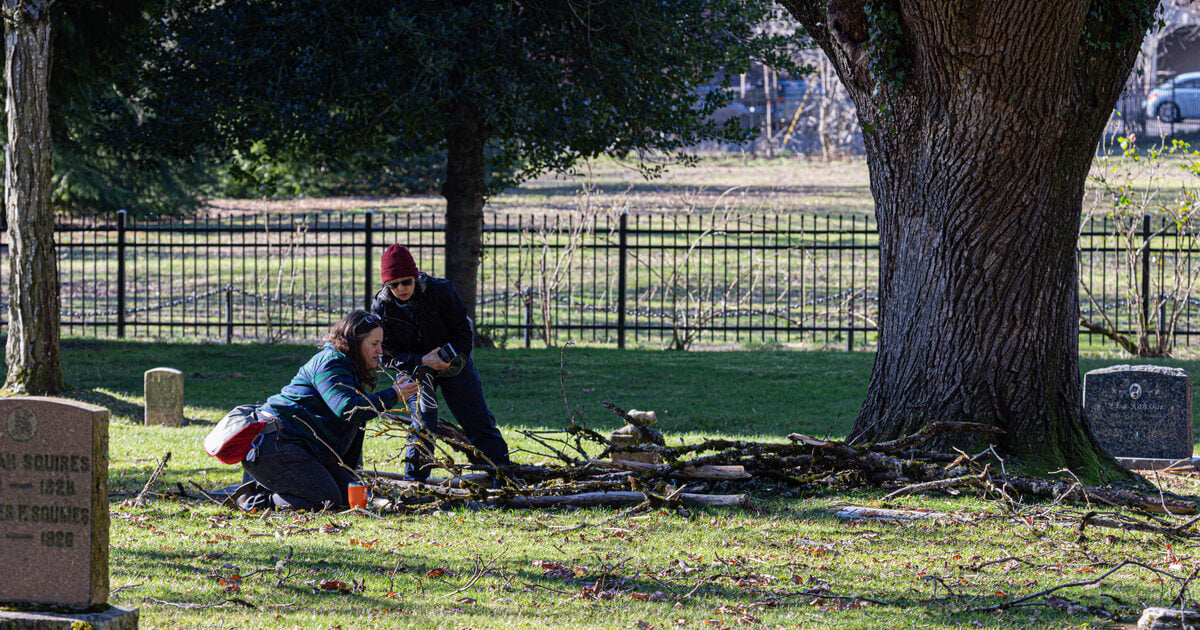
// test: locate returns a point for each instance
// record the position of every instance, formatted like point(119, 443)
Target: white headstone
point(164, 397)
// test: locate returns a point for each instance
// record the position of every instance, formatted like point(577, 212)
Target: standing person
point(425, 323)
point(322, 414)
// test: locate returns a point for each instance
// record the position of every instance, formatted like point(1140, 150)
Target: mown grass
point(189, 564)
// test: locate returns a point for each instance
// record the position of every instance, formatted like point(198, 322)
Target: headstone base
point(115, 618)
point(1151, 463)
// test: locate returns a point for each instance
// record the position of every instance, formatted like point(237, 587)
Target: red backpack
point(238, 433)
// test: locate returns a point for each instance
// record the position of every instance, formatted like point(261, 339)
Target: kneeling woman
point(322, 415)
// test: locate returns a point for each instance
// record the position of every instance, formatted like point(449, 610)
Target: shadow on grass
point(115, 406)
point(733, 393)
point(289, 567)
point(129, 481)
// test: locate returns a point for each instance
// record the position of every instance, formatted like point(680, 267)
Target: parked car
point(1174, 100)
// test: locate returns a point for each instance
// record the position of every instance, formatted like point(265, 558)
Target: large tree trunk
point(464, 191)
point(32, 351)
point(978, 156)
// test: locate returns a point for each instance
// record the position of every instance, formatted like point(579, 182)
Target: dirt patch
point(777, 186)
point(308, 205)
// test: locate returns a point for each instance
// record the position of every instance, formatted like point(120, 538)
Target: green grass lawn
point(189, 564)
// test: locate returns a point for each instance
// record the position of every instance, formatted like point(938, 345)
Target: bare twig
point(201, 490)
point(1096, 580)
point(195, 606)
point(481, 569)
point(140, 501)
point(965, 480)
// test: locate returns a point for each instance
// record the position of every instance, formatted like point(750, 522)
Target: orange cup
point(356, 495)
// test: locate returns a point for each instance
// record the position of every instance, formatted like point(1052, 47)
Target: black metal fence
point(612, 279)
point(642, 280)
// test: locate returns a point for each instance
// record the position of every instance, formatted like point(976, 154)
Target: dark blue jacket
point(325, 406)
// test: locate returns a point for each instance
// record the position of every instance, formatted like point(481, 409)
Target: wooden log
point(837, 448)
point(440, 490)
point(621, 498)
point(452, 482)
point(691, 472)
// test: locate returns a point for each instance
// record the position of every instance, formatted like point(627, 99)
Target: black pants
point(464, 396)
point(296, 478)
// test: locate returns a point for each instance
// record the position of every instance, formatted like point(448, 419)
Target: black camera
point(456, 361)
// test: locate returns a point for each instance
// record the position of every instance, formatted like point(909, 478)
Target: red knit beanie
point(397, 263)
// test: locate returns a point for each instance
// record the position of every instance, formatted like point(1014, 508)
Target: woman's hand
point(434, 361)
point(405, 388)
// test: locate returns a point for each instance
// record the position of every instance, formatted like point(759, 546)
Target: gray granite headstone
point(53, 502)
point(164, 397)
point(1140, 410)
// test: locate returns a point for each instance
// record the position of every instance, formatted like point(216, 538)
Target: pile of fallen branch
point(704, 474)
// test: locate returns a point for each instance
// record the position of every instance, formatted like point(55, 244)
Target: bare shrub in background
point(1131, 188)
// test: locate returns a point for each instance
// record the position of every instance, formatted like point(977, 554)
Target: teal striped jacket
point(325, 406)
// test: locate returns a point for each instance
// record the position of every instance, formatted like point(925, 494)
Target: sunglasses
point(367, 324)
point(407, 282)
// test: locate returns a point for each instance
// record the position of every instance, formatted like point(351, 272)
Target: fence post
point(229, 314)
point(850, 326)
point(368, 259)
point(121, 274)
point(528, 316)
point(1146, 271)
point(621, 255)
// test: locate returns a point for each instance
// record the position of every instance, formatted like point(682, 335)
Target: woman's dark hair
point(346, 337)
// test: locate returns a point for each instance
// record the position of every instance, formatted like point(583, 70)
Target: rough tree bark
point(980, 122)
point(32, 350)
point(465, 192)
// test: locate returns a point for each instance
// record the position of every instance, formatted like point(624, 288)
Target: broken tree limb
point(424, 488)
point(930, 431)
point(622, 498)
point(1070, 491)
point(690, 472)
point(452, 482)
point(140, 501)
point(965, 480)
point(1123, 522)
point(837, 448)
point(803, 462)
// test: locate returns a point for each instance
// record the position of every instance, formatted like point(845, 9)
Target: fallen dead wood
point(1130, 524)
point(140, 500)
point(1076, 493)
point(423, 488)
point(929, 431)
point(618, 499)
point(571, 474)
point(965, 480)
point(450, 482)
point(691, 472)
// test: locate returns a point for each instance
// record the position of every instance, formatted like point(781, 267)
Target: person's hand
point(405, 388)
point(434, 361)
